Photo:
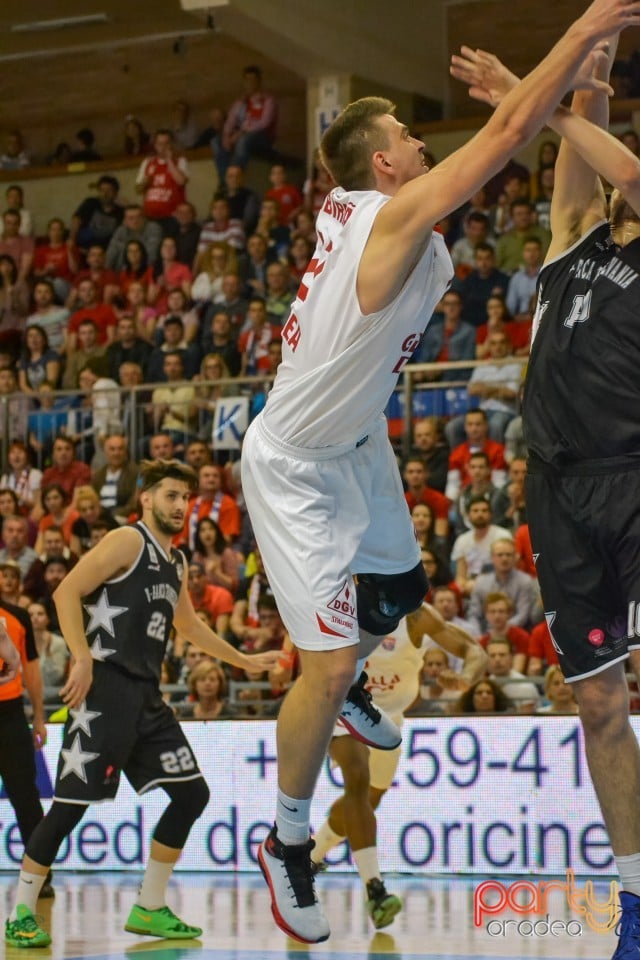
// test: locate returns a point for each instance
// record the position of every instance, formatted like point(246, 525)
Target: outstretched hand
point(487, 77)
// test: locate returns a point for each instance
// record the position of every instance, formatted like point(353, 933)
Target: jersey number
point(580, 310)
point(157, 626)
point(179, 762)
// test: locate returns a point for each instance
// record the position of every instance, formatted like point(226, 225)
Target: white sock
point(292, 819)
point(153, 888)
point(629, 870)
point(326, 839)
point(29, 887)
point(366, 861)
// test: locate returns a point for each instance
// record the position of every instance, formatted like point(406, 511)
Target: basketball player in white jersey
point(394, 670)
point(318, 472)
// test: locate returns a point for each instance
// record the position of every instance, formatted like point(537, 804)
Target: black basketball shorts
point(123, 726)
point(585, 534)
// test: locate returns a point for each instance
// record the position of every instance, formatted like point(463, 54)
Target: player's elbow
point(628, 180)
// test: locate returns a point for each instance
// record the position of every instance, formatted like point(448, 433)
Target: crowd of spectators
point(149, 297)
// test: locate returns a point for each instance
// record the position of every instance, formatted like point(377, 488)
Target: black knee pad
point(45, 841)
point(188, 801)
point(384, 599)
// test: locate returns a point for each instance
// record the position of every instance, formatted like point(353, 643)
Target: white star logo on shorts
point(101, 614)
point(82, 718)
point(75, 759)
point(98, 652)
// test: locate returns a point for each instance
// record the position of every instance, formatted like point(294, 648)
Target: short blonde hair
point(354, 136)
point(201, 671)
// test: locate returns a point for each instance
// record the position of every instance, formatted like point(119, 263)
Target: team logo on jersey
point(153, 557)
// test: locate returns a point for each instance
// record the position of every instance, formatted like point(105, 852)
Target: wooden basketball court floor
point(86, 920)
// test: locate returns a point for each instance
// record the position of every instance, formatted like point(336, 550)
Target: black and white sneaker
point(365, 721)
point(294, 905)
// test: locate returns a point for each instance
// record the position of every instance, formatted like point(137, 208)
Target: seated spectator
point(208, 394)
point(446, 601)
point(476, 232)
point(97, 218)
point(471, 551)
point(285, 194)
point(252, 266)
point(218, 559)
point(523, 284)
point(14, 196)
point(19, 248)
point(221, 228)
point(217, 600)
point(169, 274)
point(497, 386)
point(253, 343)
point(22, 479)
point(137, 142)
point(58, 512)
point(174, 343)
point(136, 268)
point(86, 347)
point(431, 447)
point(136, 306)
point(424, 521)
point(116, 482)
point(173, 404)
point(65, 470)
point(47, 422)
point(11, 590)
point(127, 347)
point(90, 308)
point(509, 503)
point(498, 607)
point(134, 226)
point(416, 477)
point(547, 156)
point(56, 260)
point(38, 362)
point(244, 203)
point(514, 683)
point(279, 294)
point(48, 315)
point(231, 301)
point(447, 339)
point(245, 622)
point(211, 501)
point(510, 246)
point(185, 230)
point(55, 570)
point(304, 225)
point(162, 179)
point(484, 697)
point(480, 486)
point(90, 510)
point(53, 546)
point(436, 566)
point(476, 428)
point(507, 187)
point(542, 650)
point(15, 536)
point(558, 693)
point(542, 206)
point(15, 300)
point(498, 320)
point(300, 253)
point(105, 281)
point(183, 127)
point(178, 305)
point(439, 684)
point(197, 454)
point(85, 151)
point(213, 263)
point(277, 236)
point(16, 407)
point(52, 649)
point(504, 577)
point(218, 340)
point(514, 442)
point(483, 282)
point(208, 691)
point(250, 127)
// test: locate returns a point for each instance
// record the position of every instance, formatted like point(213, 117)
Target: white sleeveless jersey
point(394, 671)
point(339, 366)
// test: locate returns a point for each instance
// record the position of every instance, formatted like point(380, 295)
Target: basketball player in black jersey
point(582, 426)
point(116, 609)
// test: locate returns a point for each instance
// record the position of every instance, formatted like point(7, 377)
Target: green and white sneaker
point(160, 923)
point(381, 906)
point(25, 932)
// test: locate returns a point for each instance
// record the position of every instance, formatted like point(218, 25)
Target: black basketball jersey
point(128, 619)
point(582, 390)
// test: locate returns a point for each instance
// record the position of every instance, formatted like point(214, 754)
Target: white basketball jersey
point(394, 670)
point(339, 366)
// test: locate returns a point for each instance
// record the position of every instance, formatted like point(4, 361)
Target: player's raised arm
point(402, 226)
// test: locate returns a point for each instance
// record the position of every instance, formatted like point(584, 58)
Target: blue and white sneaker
point(365, 721)
point(628, 928)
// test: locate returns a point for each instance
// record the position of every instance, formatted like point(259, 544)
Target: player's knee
point(356, 780)
point(384, 599)
point(46, 839)
point(604, 707)
point(200, 799)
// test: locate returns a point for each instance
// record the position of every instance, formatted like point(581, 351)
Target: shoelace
point(28, 924)
point(362, 694)
point(179, 925)
point(300, 877)
point(629, 926)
